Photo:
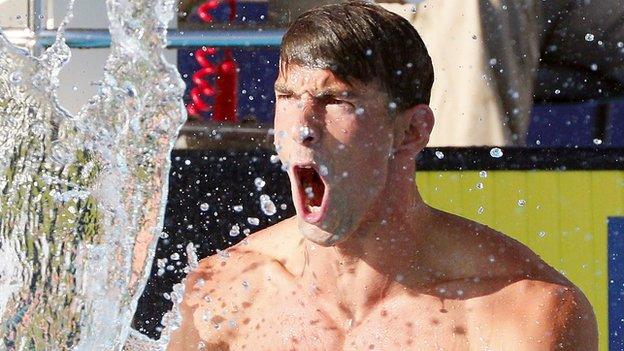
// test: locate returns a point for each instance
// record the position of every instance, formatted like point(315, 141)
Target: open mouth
point(311, 192)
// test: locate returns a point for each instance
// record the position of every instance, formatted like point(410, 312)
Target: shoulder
point(223, 285)
point(558, 315)
point(485, 252)
point(213, 287)
point(572, 318)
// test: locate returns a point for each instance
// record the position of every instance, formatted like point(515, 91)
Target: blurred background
point(529, 135)
point(508, 73)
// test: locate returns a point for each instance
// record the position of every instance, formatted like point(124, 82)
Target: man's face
point(335, 140)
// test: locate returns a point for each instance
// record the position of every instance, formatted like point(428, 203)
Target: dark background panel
point(222, 180)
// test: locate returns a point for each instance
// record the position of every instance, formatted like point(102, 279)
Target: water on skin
point(83, 196)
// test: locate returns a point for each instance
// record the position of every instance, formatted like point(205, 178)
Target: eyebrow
point(325, 93)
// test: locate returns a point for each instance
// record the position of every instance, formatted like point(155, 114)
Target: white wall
point(13, 14)
point(86, 65)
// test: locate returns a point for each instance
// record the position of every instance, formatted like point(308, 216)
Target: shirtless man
point(366, 264)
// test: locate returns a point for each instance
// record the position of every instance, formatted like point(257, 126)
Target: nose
point(307, 131)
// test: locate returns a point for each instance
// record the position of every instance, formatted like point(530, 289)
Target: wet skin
point(380, 269)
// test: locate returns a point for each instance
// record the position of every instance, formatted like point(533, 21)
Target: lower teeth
point(314, 209)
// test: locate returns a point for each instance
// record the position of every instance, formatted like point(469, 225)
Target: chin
point(324, 234)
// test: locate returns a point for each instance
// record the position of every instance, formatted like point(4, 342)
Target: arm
point(576, 323)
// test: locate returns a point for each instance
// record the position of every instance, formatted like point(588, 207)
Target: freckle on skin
point(435, 321)
point(217, 319)
point(246, 321)
point(459, 330)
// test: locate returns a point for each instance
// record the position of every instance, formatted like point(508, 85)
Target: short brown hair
point(363, 41)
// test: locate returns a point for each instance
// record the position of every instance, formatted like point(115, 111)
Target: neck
point(379, 254)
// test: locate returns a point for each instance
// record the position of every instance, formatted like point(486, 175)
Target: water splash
point(83, 196)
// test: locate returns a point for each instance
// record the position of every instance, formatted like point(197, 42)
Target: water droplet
point(593, 67)
point(238, 208)
point(474, 36)
point(199, 283)
point(164, 235)
point(439, 154)
point(323, 170)
point(274, 159)
point(175, 256)
point(392, 105)
point(493, 61)
point(283, 206)
point(304, 132)
point(589, 37)
point(187, 162)
point(259, 183)
point(206, 315)
point(204, 207)
point(61, 153)
point(496, 152)
point(557, 91)
point(369, 52)
point(15, 77)
point(541, 234)
point(483, 174)
point(235, 231)
point(479, 186)
point(597, 141)
point(480, 210)
point(266, 205)
point(359, 111)
point(223, 254)
point(521, 202)
point(253, 220)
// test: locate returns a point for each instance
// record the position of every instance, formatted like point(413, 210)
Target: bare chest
point(293, 319)
point(297, 322)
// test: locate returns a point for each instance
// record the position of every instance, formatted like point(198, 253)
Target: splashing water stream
point(83, 196)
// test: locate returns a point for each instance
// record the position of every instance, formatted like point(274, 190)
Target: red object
point(225, 73)
point(227, 83)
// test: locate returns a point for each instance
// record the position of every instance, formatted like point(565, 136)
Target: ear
point(416, 124)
